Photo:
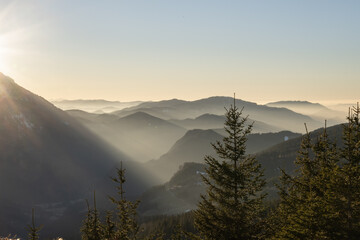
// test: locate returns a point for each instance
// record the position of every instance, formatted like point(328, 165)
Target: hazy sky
point(189, 49)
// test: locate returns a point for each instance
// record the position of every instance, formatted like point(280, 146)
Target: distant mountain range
point(201, 114)
point(144, 137)
point(280, 118)
point(299, 106)
point(50, 162)
point(97, 106)
point(314, 110)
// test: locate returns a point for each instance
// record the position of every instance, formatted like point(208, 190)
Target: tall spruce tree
point(92, 227)
point(289, 197)
point(232, 207)
point(33, 231)
point(126, 224)
point(307, 207)
point(349, 179)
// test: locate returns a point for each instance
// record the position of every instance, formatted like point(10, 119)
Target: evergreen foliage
point(307, 201)
point(126, 224)
point(92, 228)
point(108, 228)
point(33, 231)
point(323, 200)
point(348, 181)
point(167, 227)
point(232, 207)
point(124, 227)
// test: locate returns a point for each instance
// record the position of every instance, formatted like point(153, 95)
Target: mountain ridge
point(50, 161)
point(278, 117)
point(139, 135)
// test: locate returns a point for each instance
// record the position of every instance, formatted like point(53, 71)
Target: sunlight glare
point(3, 66)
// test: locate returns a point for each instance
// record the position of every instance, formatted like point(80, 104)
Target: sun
point(12, 35)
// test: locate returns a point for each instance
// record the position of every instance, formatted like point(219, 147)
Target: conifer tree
point(232, 207)
point(87, 224)
point(108, 228)
point(180, 234)
point(92, 228)
point(126, 224)
point(307, 202)
point(32, 229)
point(349, 180)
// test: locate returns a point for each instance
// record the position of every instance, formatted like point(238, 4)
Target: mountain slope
point(139, 135)
point(178, 195)
point(192, 147)
point(284, 154)
point(51, 162)
point(258, 142)
point(212, 121)
point(196, 144)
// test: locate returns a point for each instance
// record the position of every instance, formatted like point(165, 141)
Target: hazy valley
point(58, 157)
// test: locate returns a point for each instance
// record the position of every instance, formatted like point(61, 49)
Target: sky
point(263, 50)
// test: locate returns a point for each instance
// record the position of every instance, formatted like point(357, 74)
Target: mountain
point(139, 135)
point(258, 142)
point(161, 104)
point(212, 121)
point(281, 118)
point(87, 117)
point(303, 107)
point(192, 147)
point(50, 162)
point(314, 110)
point(98, 105)
point(205, 121)
point(195, 144)
point(178, 195)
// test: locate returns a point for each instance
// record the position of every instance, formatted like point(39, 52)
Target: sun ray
point(12, 37)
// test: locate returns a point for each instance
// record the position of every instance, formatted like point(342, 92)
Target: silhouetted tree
point(91, 229)
point(32, 229)
point(307, 207)
point(126, 223)
point(233, 205)
point(348, 182)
